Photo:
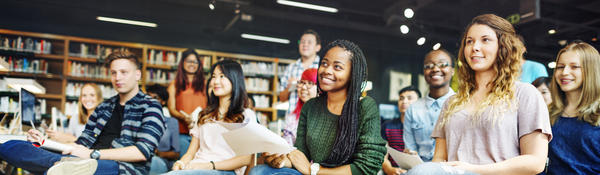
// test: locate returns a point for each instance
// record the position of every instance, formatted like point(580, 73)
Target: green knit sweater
point(317, 131)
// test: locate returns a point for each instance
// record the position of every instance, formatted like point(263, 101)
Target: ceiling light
point(265, 38)
point(308, 6)
point(211, 4)
point(562, 42)
point(552, 65)
point(421, 41)
point(551, 31)
point(409, 13)
point(437, 46)
point(404, 29)
point(126, 21)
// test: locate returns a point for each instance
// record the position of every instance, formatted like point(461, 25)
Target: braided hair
point(347, 135)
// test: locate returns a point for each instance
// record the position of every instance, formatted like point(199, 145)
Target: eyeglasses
point(306, 83)
point(191, 62)
point(439, 65)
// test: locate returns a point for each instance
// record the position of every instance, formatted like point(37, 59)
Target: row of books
point(78, 69)
point(160, 76)
point(11, 105)
point(257, 68)
point(261, 101)
point(25, 44)
point(16, 64)
point(160, 57)
point(96, 51)
point(74, 90)
point(257, 84)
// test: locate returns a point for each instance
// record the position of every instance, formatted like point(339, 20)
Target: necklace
point(567, 114)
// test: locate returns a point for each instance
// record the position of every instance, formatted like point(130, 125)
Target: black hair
point(410, 88)
point(347, 138)
point(239, 98)
point(541, 80)
point(159, 90)
point(181, 80)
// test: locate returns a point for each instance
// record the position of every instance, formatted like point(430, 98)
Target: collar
point(430, 101)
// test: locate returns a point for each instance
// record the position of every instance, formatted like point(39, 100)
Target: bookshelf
point(64, 63)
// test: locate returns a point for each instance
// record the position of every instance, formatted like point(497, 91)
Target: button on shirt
point(294, 70)
point(419, 121)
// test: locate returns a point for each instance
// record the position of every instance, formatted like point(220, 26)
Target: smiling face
point(481, 48)
point(124, 75)
point(220, 84)
point(438, 70)
point(88, 97)
point(190, 64)
point(334, 71)
point(306, 90)
point(568, 72)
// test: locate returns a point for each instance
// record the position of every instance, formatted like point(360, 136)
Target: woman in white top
point(89, 98)
point(208, 152)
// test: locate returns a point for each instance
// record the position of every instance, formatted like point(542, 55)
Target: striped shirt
point(392, 132)
point(143, 125)
point(294, 70)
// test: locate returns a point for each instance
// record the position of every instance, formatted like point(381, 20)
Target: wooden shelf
point(30, 75)
point(157, 66)
point(261, 92)
point(153, 83)
point(86, 79)
point(43, 96)
point(87, 60)
point(264, 109)
point(50, 56)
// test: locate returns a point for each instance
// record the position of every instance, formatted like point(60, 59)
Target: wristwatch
point(95, 154)
point(314, 168)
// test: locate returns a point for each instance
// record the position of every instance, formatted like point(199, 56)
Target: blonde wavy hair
point(588, 105)
point(507, 67)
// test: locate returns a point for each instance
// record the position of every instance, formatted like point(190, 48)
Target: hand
point(411, 152)
point(79, 151)
point(394, 171)
point(178, 165)
point(34, 136)
point(275, 160)
point(58, 136)
point(199, 166)
point(299, 161)
point(462, 166)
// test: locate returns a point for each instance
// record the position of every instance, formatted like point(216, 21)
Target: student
point(531, 70)
point(574, 112)
point(208, 152)
point(495, 124)
point(423, 114)
point(89, 98)
point(168, 148)
point(119, 137)
point(306, 90)
point(391, 131)
point(542, 84)
point(186, 93)
point(308, 46)
point(338, 131)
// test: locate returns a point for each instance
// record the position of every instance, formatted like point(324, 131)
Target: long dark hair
point(238, 101)
point(347, 136)
point(181, 80)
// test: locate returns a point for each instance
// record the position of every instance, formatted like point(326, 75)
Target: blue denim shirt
point(419, 120)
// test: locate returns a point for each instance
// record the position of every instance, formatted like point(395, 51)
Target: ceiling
point(373, 24)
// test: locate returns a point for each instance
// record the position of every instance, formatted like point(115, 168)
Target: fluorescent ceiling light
point(126, 21)
point(265, 38)
point(308, 6)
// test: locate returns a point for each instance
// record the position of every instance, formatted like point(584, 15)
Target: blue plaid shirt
point(294, 70)
point(143, 125)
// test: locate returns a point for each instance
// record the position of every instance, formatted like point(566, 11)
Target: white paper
point(255, 138)
point(404, 160)
point(48, 144)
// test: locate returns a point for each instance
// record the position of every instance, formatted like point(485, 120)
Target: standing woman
point(208, 152)
point(186, 93)
point(306, 90)
point(575, 111)
point(338, 131)
point(89, 98)
point(494, 124)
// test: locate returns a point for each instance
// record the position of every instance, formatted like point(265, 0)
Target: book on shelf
point(257, 68)
point(159, 57)
point(78, 69)
point(257, 84)
point(17, 43)
point(261, 101)
point(95, 51)
point(160, 76)
point(28, 65)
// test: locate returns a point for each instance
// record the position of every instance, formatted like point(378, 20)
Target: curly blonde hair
point(507, 67)
point(588, 106)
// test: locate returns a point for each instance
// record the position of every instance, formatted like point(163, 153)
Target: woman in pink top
point(494, 124)
point(208, 152)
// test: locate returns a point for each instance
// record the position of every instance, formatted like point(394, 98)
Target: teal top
point(317, 130)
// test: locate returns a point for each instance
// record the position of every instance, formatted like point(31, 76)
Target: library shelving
point(62, 64)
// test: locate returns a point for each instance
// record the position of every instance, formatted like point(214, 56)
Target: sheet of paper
point(255, 138)
point(48, 144)
point(404, 160)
